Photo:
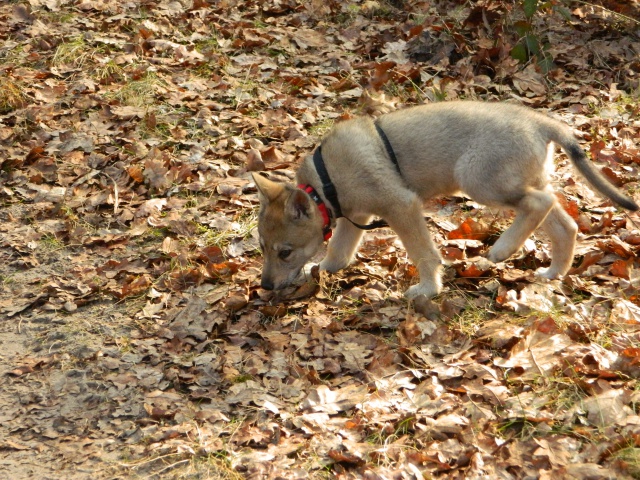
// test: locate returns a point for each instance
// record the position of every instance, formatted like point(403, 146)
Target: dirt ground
point(40, 410)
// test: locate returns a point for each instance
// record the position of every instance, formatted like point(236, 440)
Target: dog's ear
point(298, 204)
point(268, 190)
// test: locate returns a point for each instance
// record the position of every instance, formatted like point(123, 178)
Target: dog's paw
point(333, 266)
point(547, 273)
point(421, 289)
point(497, 255)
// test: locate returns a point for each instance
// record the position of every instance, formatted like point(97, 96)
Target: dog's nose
point(266, 284)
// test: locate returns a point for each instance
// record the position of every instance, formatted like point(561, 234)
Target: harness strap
point(388, 147)
point(379, 223)
point(329, 189)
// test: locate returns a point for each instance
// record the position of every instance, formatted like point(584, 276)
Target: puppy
point(498, 154)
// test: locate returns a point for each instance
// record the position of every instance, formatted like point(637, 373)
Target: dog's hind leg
point(531, 210)
point(562, 231)
point(343, 244)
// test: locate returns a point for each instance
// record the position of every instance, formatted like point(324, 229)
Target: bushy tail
point(579, 158)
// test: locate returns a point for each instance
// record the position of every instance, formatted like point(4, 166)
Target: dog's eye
point(284, 254)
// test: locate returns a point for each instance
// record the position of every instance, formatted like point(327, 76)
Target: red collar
point(324, 211)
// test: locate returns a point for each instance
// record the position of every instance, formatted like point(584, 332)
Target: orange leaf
point(135, 172)
point(628, 155)
point(463, 231)
point(632, 239)
point(452, 253)
point(134, 286)
point(589, 259)
point(351, 425)
point(145, 32)
point(584, 223)
point(605, 222)
point(471, 230)
point(411, 271)
point(219, 270)
point(631, 352)
point(345, 457)
point(614, 245)
point(211, 254)
point(620, 268)
point(595, 148)
point(381, 74)
point(631, 355)
point(548, 325)
point(472, 271)
point(33, 155)
point(389, 262)
point(612, 176)
point(569, 206)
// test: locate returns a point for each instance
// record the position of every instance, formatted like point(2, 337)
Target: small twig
point(535, 362)
point(626, 214)
point(242, 88)
point(413, 84)
point(69, 245)
point(116, 193)
point(144, 462)
point(172, 466)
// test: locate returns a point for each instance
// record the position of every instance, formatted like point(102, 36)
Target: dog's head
point(290, 228)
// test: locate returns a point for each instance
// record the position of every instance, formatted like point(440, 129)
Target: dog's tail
point(572, 148)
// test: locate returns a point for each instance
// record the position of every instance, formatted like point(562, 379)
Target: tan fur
point(498, 154)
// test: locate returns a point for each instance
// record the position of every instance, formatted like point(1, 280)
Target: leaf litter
point(136, 342)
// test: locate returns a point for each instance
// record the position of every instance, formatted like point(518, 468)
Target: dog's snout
point(267, 284)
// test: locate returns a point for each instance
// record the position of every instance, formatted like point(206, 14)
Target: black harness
point(329, 189)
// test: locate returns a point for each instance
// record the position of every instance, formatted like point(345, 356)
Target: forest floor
point(135, 341)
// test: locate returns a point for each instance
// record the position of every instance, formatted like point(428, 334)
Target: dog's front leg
point(410, 226)
point(343, 244)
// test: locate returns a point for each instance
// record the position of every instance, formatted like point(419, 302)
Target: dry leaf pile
point(134, 337)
